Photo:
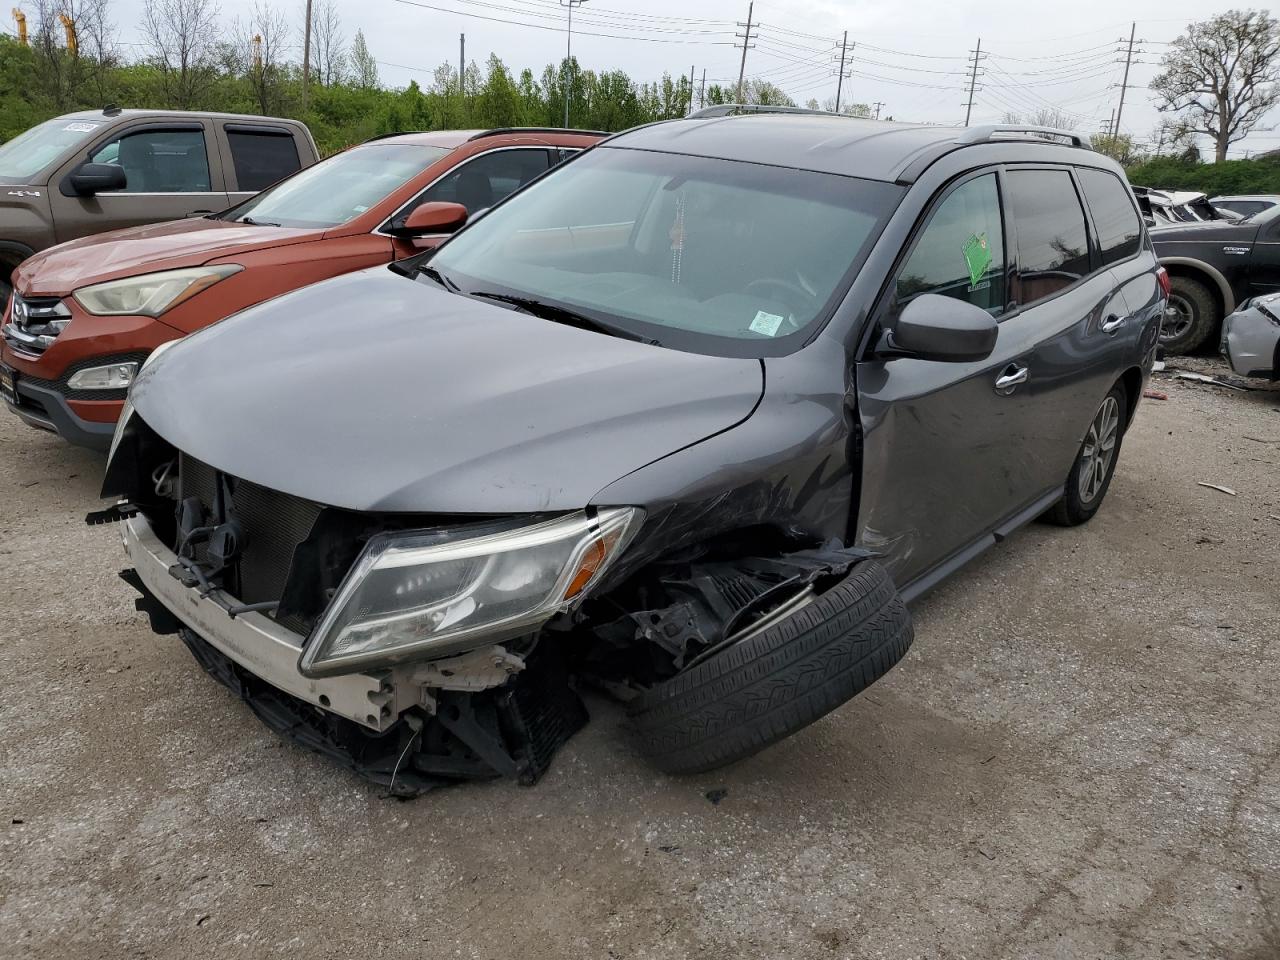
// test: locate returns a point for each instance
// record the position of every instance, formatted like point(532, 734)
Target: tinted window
point(482, 182)
point(262, 158)
point(961, 251)
point(160, 161)
point(1119, 231)
point(1053, 245)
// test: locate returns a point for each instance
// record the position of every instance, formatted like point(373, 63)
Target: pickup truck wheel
point(1190, 317)
point(777, 676)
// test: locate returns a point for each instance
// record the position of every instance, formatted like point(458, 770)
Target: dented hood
point(161, 246)
point(371, 391)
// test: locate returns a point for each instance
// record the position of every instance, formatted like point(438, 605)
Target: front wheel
point(1190, 317)
point(1095, 464)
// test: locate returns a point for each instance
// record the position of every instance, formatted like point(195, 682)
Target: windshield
point(703, 254)
point(31, 151)
point(340, 188)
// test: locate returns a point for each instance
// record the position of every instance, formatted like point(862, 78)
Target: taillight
point(1162, 278)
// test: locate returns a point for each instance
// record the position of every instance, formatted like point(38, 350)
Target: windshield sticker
point(977, 256)
point(766, 323)
point(81, 127)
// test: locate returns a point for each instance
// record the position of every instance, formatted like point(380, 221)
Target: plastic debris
point(1214, 486)
point(1155, 395)
point(1205, 378)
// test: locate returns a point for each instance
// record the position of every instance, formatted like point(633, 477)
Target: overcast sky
point(910, 57)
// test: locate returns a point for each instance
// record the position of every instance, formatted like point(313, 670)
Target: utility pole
point(462, 65)
point(978, 56)
point(1124, 84)
point(568, 55)
point(702, 91)
point(844, 43)
point(746, 45)
point(691, 70)
point(306, 57)
point(878, 104)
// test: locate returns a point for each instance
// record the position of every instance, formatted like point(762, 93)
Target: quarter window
point(960, 254)
point(480, 183)
point(1053, 244)
point(262, 158)
point(1119, 230)
point(159, 161)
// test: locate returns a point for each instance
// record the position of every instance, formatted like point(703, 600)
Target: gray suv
point(691, 418)
point(92, 171)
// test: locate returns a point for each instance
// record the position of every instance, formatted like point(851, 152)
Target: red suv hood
point(161, 246)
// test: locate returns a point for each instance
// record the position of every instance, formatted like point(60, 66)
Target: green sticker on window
point(977, 254)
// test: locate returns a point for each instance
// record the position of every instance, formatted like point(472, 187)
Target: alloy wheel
point(1099, 449)
point(1178, 317)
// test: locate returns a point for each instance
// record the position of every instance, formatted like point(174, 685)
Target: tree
point(1221, 76)
point(328, 44)
point(1119, 148)
point(69, 77)
point(180, 36)
point(1045, 117)
point(363, 67)
point(260, 43)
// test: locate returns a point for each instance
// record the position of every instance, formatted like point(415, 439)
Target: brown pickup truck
point(92, 171)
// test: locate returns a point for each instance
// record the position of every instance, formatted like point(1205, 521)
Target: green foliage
point(1230, 176)
point(355, 108)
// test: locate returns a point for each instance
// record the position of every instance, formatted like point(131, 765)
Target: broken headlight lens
point(150, 294)
point(416, 596)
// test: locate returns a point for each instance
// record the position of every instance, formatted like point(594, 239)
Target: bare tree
point(260, 44)
point(72, 55)
point(1045, 117)
point(328, 44)
point(364, 68)
point(1221, 76)
point(180, 36)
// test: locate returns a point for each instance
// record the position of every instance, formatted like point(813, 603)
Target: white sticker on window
point(766, 323)
point(81, 127)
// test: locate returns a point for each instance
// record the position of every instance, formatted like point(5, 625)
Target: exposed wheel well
point(1131, 380)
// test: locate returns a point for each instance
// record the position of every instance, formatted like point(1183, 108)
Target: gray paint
point(1251, 338)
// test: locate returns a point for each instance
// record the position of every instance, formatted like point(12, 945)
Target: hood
point(160, 246)
point(1207, 230)
point(374, 392)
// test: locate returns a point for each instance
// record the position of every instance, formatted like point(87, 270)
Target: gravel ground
point(1078, 758)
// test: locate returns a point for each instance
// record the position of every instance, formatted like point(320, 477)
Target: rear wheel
point(1190, 317)
point(777, 676)
point(1090, 476)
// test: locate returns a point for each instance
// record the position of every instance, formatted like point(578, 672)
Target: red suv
point(85, 314)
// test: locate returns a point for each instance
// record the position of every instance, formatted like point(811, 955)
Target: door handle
point(1113, 323)
point(1010, 377)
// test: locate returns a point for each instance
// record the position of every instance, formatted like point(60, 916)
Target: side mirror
point(934, 327)
point(91, 178)
point(433, 217)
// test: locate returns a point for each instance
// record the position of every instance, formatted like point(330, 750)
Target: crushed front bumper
point(257, 643)
point(1251, 339)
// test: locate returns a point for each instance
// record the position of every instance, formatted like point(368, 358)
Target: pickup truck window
point(30, 152)
point(262, 158)
point(160, 161)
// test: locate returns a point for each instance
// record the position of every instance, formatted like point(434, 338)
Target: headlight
point(151, 294)
point(126, 412)
point(418, 595)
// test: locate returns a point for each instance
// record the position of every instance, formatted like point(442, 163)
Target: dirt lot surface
point(1078, 758)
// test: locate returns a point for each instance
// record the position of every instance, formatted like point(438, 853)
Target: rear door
point(256, 155)
point(1080, 328)
point(172, 171)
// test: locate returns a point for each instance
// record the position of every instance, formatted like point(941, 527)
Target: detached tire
point(765, 687)
point(1191, 318)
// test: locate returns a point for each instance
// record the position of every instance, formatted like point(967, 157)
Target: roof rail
point(393, 133)
point(499, 131)
point(1002, 131)
point(726, 109)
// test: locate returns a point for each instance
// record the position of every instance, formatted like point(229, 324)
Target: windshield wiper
point(258, 223)
point(559, 314)
point(438, 277)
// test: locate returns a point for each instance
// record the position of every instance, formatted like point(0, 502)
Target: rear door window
point(480, 183)
point(160, 161)
point(1114, 217)
point(261, 157)
point(960, 254)
point(1053, 243)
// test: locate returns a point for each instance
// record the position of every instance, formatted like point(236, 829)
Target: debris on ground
point(1214, 381)
point(1214, 486)
point(1155, 395)
point(716, 795)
